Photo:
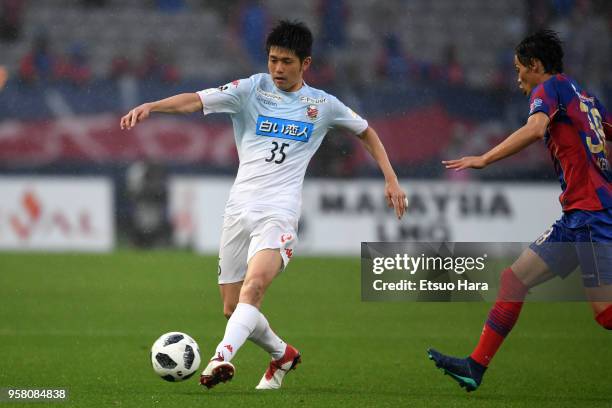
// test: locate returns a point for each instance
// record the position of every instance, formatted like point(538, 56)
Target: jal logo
point(312, 112)
point(33, 217)
point(286, 237)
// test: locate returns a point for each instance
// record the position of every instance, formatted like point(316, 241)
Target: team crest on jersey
point(312, 112)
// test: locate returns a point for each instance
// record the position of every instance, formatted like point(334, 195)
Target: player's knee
point(252, 290)
point(511, 288)
point(604, 319)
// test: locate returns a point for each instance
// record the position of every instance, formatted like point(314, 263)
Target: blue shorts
point(579, 238)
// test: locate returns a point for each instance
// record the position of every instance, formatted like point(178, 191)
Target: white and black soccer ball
point(175, 356)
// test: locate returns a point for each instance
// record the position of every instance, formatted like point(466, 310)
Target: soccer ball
point(175, 356)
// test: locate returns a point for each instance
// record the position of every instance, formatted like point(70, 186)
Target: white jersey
point(276, 133)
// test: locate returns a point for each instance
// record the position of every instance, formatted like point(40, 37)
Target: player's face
point(286, 69)
point(527, 76)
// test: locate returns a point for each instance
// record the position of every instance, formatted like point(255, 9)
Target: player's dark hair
point(292, 35)
point(544, 45)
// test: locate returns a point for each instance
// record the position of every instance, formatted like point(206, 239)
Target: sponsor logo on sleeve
point(234, 84)
point(353, 114)
point(537, 102)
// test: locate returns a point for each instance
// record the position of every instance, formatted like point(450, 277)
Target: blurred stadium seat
point(424, 112)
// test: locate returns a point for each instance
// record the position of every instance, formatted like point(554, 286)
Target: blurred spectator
point(563, 7)
point(123, 71)
point(74, 67)
point(121, 66)
point(94, 3)
point(220, 7)
point(586, 34)
point(157, 67)
point(170, 6)
point(11, 16)
point(452, 71)
point(538, 14)
point(351, 69)
point(321, 73)
point(504, 77)
point(252, 29)
point(392, 63)
point(333, 16)
point(39, 63)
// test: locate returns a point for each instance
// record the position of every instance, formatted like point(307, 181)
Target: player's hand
point(468, 162)
point(138, 114)
point(396, 198)
point(3, 76)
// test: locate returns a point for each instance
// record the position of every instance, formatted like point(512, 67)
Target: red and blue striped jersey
point(576, 138)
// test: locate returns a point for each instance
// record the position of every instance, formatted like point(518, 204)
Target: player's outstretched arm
point(396, 197)
point(533, 130)
point(181, 103)
point(3, 76)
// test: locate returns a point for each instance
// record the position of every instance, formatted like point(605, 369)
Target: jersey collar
point(293, 94)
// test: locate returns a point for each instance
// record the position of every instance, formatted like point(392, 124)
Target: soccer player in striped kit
point(575, 127)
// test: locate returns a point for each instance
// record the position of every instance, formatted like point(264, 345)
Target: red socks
point(605, 318)
point(502, 317)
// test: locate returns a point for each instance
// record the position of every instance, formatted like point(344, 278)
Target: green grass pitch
point(86, 322)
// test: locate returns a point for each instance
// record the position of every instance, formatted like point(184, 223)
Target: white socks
point(239, 327)
point(248, 323)
point(265, 338)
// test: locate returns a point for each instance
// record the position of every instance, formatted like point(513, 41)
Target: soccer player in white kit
point(279, 123)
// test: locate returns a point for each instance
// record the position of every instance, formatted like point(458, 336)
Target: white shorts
point(246, 234)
